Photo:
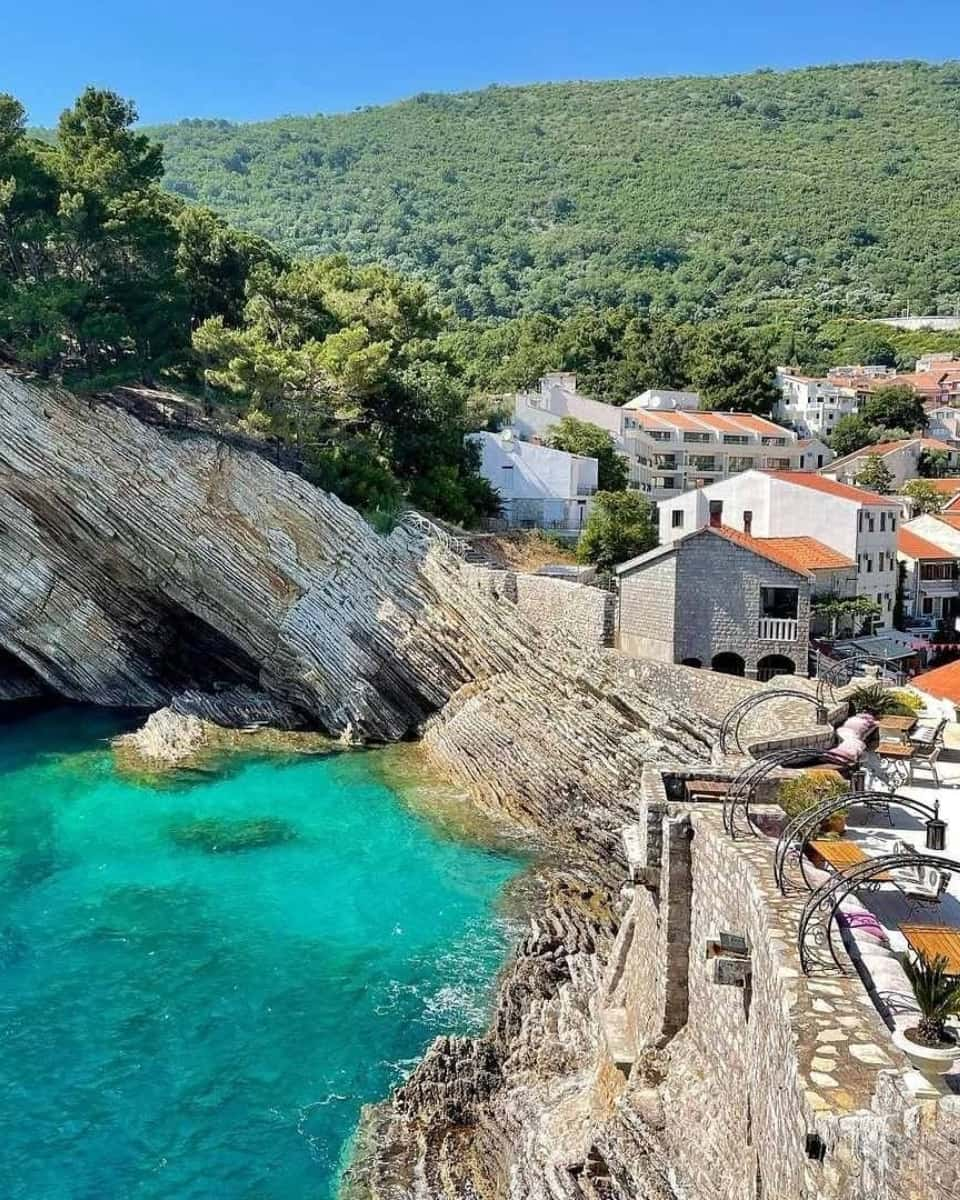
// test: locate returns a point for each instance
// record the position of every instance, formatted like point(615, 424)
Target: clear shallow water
point(185, 1025)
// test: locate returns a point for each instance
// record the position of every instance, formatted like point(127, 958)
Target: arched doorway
point(775, 664)
point(728, 663)
point(691, 662)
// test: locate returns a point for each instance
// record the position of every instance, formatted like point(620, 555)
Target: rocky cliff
point(145, 568)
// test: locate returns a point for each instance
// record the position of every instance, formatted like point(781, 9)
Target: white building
point(812, 406)
point(658, 398)
point(539, 487)
point(929, 549)
point(902, 459)
point(856, 523)
point(668, 449)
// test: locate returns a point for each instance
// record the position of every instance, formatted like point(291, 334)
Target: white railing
point(777, 629)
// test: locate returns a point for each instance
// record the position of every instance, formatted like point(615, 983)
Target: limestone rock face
point(142, 568)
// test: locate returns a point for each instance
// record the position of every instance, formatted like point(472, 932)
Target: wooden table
point(895, 729)
point(934, 940)
point(895, 750)
point(839, 854)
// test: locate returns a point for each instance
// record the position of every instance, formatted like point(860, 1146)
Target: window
point(860, 521)
point(779, 603)
point(660, 435)
point(870, 522)
point(696, 437)
point(883, 521)
point(735, 439)
point(676, 519)
point(926, 606)
point(819, 460)
point(879, 600)
point(893, 522)
point(869, 564)
point(937, 571)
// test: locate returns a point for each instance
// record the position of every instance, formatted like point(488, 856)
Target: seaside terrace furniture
point(926, 733)
point(706, 789)
point(935, 941)
point(924, 758)
point(895, 729)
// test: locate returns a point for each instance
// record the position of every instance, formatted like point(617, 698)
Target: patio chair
point(922, 886)
point(925, 758)
point(926, 733)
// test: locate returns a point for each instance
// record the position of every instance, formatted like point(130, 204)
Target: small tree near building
point(875, 476)
point(621, 525)
point(934, 464)
point(581, 437)
point(923, 496)
point(894, 407)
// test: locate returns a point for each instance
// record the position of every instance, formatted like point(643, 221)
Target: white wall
point(523, 470)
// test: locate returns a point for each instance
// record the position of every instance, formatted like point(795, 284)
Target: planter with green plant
point(930, 1045)
point(810, 789)
point(882, 701)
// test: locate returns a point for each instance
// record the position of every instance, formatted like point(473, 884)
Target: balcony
point(697, 463)
point(666, 462)
point(777, 629)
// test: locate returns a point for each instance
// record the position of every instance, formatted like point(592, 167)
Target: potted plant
point(812, 788)
point(930, 1046)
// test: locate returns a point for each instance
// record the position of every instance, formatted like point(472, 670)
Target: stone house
point(859, 525)
point(720, 599)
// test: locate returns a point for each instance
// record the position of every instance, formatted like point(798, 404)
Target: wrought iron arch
point(743, 787)
point(802, 826)
point(839, 674)
point(818, 919)
point(730, 726)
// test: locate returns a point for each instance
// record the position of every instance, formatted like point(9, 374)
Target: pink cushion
point(863, 724)
point(848, 750)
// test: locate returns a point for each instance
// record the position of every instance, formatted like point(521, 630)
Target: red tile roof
point(947, 485)
point(914, 546)
point(820, 483)
point(950, 518)
point(760, 546)
point(806, 553)
point(941, 681)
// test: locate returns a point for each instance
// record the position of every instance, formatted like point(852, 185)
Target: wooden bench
point(709, 789)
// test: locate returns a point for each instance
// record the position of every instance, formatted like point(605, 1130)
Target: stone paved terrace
point(803, 1057)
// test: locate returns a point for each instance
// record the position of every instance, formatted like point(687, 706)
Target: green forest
point(736, 196)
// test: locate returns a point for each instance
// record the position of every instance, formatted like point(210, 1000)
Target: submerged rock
point(218, 835)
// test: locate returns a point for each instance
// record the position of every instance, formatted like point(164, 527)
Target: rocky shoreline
point(182, 575)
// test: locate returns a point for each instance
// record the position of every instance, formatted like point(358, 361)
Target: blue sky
point(253, 59)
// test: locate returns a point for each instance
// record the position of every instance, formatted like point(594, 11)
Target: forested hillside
point(700, 196)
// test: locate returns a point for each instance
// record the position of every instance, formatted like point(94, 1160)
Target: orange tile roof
point(805, 553)
point(915, 546)
point(759, 546)
point(718, 422)
point(820, 483)
point(941, 681)
point(935, 444)
point(946, 485)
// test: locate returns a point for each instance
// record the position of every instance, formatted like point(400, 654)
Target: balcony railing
point(695, 463)
point(777, 629)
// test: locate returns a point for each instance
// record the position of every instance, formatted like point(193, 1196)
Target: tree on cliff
point(621, 525)
point(344, 363)
point(590, 441)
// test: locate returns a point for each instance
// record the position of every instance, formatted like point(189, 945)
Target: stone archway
point(690, 662)
point(775, 664)
point(728, 663)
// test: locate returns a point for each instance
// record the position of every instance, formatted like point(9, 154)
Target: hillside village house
point(722, 599)
point(668, 445)
point(814, 454)
point(901, 458)
point(938, 385)
point(931, 579)
point(859, 525)
point(539, 487)
point(812, 406)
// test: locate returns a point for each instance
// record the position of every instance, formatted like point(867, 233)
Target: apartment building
point(668, 448)
point(539, 487)
point(810, 405)
point(859, 525)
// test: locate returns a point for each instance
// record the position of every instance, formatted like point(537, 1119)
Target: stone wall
point(584, 616)
point(647, 610)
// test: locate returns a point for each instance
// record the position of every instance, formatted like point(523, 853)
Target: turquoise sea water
point(183, 1024)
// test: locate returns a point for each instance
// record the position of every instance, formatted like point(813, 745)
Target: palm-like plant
point(937, 994)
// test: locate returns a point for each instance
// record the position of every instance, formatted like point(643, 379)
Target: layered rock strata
point(137, 567)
